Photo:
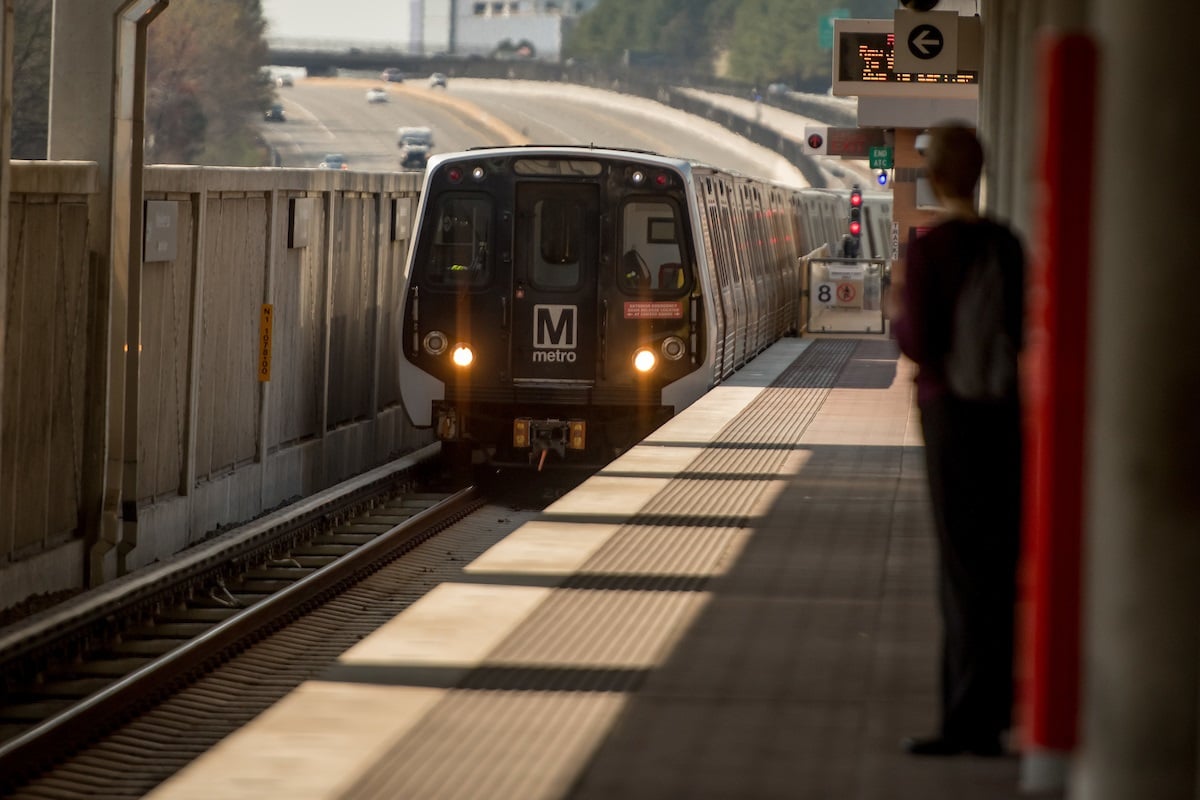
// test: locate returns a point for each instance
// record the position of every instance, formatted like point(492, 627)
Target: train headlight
point(436, 343)
point(673, 348)
point(637, 178)
point(478, 173)
point(644, 360)
point(463, 355)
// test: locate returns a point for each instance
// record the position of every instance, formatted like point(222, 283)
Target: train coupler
point(543, 436)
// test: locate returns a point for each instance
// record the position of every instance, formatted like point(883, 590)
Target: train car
point(562, 302)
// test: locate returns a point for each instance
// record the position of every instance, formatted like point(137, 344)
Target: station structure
point(1087, 111)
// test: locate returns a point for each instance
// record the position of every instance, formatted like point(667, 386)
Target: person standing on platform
point(961, 321)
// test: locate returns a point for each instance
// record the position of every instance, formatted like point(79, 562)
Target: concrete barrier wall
point(217, 446)
point(51, 300)
point(319, 248)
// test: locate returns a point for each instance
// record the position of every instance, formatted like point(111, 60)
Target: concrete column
point(996, 109)
point(97, 70)
point(1142, 646)
point(6, 60)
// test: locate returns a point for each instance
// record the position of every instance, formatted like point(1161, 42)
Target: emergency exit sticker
point(266, 322)
point(653, 310)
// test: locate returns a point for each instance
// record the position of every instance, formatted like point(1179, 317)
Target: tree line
point(752, 41)
point(205, 81)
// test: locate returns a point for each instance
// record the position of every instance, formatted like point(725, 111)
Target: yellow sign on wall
point(265, 322)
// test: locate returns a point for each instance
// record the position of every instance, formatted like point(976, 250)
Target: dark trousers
point(973, 460)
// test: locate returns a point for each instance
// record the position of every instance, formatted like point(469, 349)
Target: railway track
point(93, 668)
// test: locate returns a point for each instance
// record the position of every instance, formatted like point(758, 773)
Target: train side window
point(654, 258)
point(558, 228)
point(460, 255)
point(634, 272)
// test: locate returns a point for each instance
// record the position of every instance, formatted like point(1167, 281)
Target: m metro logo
point(555, 327)
point(555, 333)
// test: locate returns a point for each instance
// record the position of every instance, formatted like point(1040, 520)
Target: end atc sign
point(821, 140)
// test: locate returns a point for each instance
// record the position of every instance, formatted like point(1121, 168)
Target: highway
point(327, 115)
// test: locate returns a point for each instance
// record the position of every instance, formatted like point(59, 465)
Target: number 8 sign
point(825, 293)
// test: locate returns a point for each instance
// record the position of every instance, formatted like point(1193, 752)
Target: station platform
point(743, 606)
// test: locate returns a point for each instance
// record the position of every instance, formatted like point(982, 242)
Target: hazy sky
point(379, 21)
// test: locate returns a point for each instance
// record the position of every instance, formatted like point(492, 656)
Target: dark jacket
point(934, 270)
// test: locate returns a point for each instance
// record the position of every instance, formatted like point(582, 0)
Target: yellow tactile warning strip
point(559, 626)
point(540, 548)
point(455, 625)
point(492, 744)
point(584, 629)
point(655, 539)
point(303, 747)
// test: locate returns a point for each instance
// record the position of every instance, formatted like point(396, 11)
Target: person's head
point(954, 160)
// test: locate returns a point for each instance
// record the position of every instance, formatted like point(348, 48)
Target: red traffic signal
point(855, 227)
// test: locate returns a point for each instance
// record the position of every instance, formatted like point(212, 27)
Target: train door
point(555, 261)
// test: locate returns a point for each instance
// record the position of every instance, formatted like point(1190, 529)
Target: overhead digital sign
point(864, 58)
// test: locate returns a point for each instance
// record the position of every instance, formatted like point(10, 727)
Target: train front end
point(552, 305)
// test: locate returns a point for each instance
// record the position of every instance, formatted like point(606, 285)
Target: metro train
point(561, 302)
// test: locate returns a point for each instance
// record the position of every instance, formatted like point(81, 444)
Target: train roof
point(689, 167)
point(576, 151)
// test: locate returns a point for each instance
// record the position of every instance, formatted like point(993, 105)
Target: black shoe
point(932, 746)
point(987, 748)
point(941, 746)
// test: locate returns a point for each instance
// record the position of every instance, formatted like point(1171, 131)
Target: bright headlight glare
point(463, 355)
point(644, 360)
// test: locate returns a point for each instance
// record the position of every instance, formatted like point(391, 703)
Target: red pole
point(1056, 377)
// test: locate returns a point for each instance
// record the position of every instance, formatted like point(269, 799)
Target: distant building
point(505, 28)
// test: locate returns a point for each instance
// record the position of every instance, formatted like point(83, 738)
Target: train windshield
point(461, 242)
point(653, 259)
point(558, 234)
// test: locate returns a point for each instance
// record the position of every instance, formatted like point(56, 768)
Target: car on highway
point(392, 75)
point(437, 80)
point(377, 94)
point(284, 80)
point(275, 113)
point(333, 161)
point(415, 144)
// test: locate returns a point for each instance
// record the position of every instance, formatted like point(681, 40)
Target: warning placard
point(648, 309)
point(849, 294)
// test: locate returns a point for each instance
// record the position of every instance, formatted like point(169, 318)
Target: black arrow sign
point(925, 42)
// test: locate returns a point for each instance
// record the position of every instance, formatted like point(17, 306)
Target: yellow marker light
point(463, 355)
point(644, 360)
point(521, 432)
point(578, 434)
